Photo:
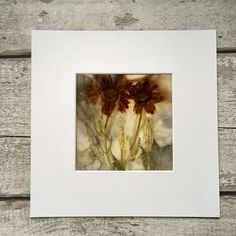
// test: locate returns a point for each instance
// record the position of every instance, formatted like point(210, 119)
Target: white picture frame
point(190, 190)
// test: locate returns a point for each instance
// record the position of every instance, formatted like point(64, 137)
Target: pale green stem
point(136, 133)
point(106, 122)
point(106, 145)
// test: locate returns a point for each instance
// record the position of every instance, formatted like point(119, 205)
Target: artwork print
point(124, 122)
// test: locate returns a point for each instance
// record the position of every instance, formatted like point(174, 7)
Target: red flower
point(145, 95)
point(112, 90)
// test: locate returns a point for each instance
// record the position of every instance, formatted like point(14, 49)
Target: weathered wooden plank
point(15, 164)
point(19, 17)
point(226, 72)
point(15, 97)
point(14, 220)
point(15, 94)
point(227, 159)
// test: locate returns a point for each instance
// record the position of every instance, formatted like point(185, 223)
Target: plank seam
point(226, 127)
point(226, 50)
point(27, 197)
point(15, 136)
point(15, 198)
point(28, 55)
point(227, 193)
point(15, 56)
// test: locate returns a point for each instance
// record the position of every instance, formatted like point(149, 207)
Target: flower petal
point(138, 108)
point(108, 107)
point(150, 108)
point(123, 104)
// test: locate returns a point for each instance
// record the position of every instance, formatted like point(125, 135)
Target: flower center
point(110, 94)
point(142, 97)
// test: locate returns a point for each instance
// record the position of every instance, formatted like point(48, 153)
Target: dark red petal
point(132, 91)
point(141, 86)
point(138, 108)
point(155, 97)
point(152, 87)
point(123, 104)
point(125, 95)
point(150, 108)
point(105, 81)
point(92, 94)
point(108, 107)
point(120, 80)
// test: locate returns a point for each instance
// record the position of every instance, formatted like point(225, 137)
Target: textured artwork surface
point(124, 122)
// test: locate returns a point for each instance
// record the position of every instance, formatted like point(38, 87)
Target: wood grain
point(15, 164)
point(15, 97)
point(226, 73)
point(227, 159)
point(19, 17)
point(14, 220)
point(15, 94)
point(14, 167)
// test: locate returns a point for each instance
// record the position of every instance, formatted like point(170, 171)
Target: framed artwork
point(124, 124)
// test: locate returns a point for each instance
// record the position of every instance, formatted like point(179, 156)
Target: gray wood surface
point(15, 97)
point(14, 166)
point(14, 220)
point(19, 17)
